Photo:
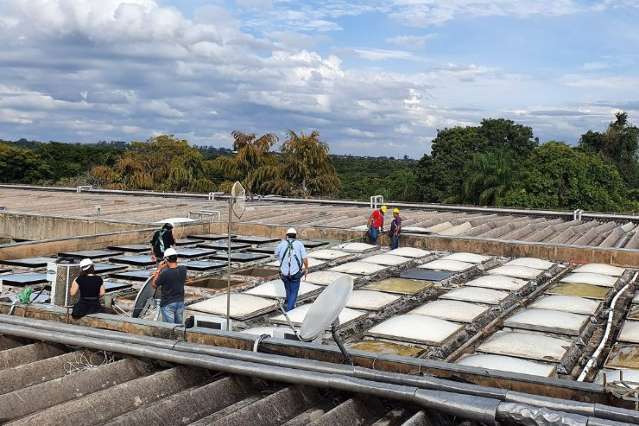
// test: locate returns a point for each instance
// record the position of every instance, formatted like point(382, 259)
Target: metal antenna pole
point(228, 275)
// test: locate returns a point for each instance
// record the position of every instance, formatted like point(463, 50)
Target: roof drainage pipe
point(475, 408)
point(594, 359)
point(423, 382)
point(468, 407)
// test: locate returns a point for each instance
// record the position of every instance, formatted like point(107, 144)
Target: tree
point(618, 144)
point(306, 168)
point(21, 166)
point(441, 175)
point(487, 178)
point(558, 176)
point(162, 163)
point(252, 163)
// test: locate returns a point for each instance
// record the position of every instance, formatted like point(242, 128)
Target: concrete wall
point(495, 247)
point(38, 227)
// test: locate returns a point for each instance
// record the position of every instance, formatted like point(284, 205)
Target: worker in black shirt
point(170, 280)
point(91, 289)
point(162, 240)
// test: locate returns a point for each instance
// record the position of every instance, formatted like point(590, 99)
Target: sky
point(374, 77)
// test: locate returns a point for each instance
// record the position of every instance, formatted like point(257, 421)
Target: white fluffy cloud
point(86, 70)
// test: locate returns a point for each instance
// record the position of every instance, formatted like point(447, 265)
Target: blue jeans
point(292, 287)
point(394, 242)
point(373, 233)
point(173, 313)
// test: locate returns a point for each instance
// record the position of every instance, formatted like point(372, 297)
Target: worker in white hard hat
point(91, 289)
point(170, 281)
point(291, 254)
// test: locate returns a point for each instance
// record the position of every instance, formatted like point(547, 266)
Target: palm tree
point(488, 177)
point(306, 166)
point(252, 163)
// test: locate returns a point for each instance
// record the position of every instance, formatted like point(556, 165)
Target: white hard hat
point(86, 264)
point(291, 231)
point(170, 252)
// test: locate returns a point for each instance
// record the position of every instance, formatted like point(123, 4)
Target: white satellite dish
point(238, 200)
point(326, 308)
point(324, 313)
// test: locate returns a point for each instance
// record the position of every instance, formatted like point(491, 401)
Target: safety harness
point(292, 254)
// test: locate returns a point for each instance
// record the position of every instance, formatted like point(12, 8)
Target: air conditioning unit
point(210, 321)
point(61, 276)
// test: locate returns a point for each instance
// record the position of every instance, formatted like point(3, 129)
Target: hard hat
point(85, 264)
point(396, 210)
point(170, 252)
point(383, 208)
point(291, 231)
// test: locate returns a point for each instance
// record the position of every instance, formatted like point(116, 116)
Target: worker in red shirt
point(376, 224)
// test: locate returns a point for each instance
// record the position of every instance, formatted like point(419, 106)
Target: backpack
point(157, 242)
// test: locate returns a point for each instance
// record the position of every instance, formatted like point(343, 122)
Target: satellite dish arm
point(340, 344)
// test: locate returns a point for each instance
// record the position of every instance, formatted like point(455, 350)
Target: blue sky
point(374, 77)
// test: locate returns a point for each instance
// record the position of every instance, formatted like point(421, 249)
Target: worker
point(395, 229)
point(91, 289)
point(170, 281)
point(376, 224)
point(162, 240)
point(291, 254)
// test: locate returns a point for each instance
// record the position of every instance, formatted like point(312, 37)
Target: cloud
point(82, 70)
point(384, 54)
point(410, 41)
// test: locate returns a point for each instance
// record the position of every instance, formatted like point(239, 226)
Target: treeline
point(501, 163)
point(498, 163)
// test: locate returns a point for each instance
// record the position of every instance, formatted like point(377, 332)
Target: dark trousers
point(373, 233)
point(394, 242)
point(292, 287)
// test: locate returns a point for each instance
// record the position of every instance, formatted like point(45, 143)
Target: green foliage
point(362, 177)
point(497, 163)
point(488, 177)
point(558, 176)
point(441, 175)
point(19, 165)
point(618, 144)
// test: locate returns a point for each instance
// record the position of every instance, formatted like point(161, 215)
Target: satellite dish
point(326, 308)
point(238, 197)
point(324, 312)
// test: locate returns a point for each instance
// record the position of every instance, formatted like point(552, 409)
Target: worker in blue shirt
point(293, 264)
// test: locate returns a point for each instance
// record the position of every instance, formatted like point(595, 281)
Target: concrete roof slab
point(416, 329)
point(497, 282)
point(549, 321)
point(526, 345)
point(476, 294)
point(451, 310)
point(446, 265)
point(573, 304)
point(370, 300)
point(516, 271)
point(506, 363)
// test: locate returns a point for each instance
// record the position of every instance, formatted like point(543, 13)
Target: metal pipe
point(472, 408)
point(320, 367)
point(594, 359)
